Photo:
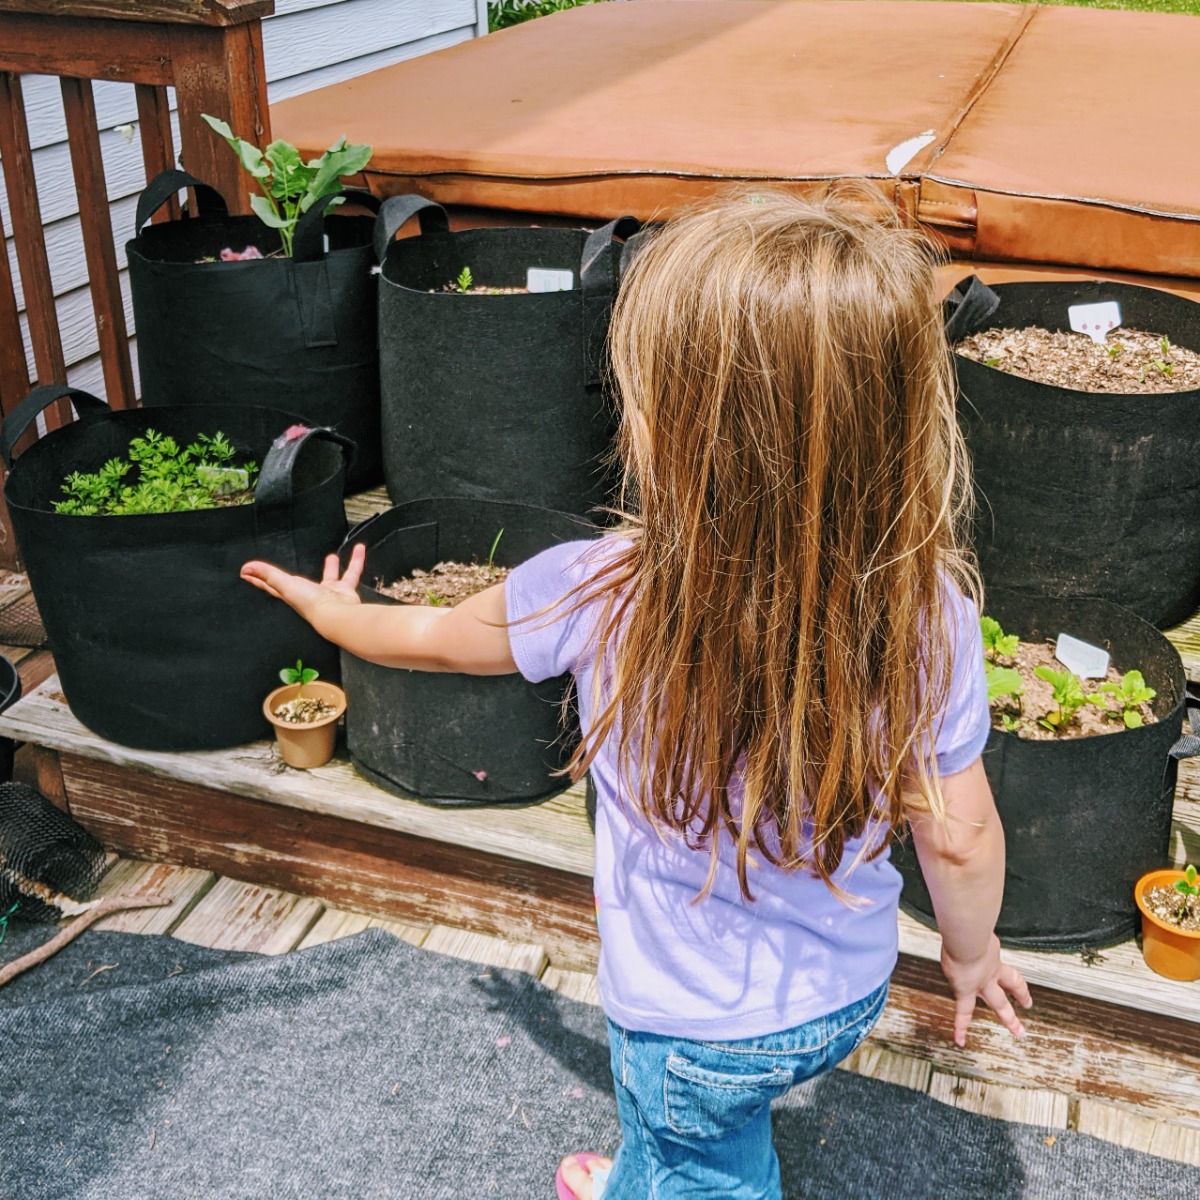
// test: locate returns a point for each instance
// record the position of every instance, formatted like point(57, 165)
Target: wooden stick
point(107, 906)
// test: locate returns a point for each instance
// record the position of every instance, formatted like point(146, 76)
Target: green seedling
point(996, 643)
point(465, 280)
point(1068, 695)
point(993, 362)
point(1010, 723)
point(1132, 693)
point(290, 186)
point(299, 674)
point(168, 478)
point(1187, 885)
point(1164, 345)
point(492, 553)
point(1168, 369)
point(1114, 348)
point(435, 598)
point(1003, 682)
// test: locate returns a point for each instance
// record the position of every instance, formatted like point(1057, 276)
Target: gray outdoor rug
point(368, 1069)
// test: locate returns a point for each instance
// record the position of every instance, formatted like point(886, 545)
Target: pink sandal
point(585, 1159)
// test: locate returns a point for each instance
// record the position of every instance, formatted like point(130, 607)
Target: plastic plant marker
point(900, 155)
point(1084, 659)
point(1095, 319)
point(545, 279)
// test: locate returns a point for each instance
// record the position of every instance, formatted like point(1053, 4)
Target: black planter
point(427, 735)
point(1083, 818)
point(159, 644)
point(1083, 493)
point(495, 397)
point(10, 693)
point(298, 332)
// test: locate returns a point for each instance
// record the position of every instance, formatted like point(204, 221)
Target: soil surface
point(447, 584)
point(1129, 362)
point(1038, 699)
point(1168, 905)
point(305, 710)
point(481, 291)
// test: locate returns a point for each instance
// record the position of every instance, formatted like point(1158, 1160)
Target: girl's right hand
point(990, 980)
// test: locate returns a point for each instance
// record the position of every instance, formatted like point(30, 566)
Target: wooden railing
point(210, 52)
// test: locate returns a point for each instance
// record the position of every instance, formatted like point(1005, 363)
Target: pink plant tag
point(247, 255)
point(480, 775)
point(292, 432)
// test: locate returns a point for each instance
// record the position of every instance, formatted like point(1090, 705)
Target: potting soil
point(1129, 362)
point(447, 584)
point(305, 710)
point(1168, 905)
point(1038, 699)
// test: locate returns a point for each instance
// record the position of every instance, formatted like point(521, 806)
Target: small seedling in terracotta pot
point(1170, 905)
point(305, 714)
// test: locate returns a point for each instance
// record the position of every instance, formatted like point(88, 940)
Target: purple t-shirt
point(722, 967)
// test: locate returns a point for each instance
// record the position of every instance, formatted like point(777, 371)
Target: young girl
point(777, 664)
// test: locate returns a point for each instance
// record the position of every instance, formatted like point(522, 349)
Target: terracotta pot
point(309, 745)
point(1168, 950)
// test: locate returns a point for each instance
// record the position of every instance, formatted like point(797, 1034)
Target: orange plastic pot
point(1168, 950)
point(310, 745)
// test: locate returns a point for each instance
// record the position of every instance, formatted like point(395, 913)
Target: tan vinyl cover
point(1053, 135)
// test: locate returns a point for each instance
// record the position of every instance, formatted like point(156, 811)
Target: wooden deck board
point(878, 1062)
point(1186, 639)
point(490, 951)
point(184, 885)
point(335, 923)
point(1029, 1106)
point(575, 985)
point(241, 916)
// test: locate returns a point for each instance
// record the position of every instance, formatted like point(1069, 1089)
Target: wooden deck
point(220, 912)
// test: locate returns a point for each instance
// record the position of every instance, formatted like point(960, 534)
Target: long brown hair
point(796, 482)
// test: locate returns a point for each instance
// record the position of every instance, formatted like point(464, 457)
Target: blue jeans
point(696, 1116)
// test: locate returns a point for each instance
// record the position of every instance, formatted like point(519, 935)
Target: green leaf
point(1133, 719)
point(1190, 873)
point(340, 159)
point(1003, 681)
point(249, 156)
point(290, 176)
point(309, 674)
point(266, 214)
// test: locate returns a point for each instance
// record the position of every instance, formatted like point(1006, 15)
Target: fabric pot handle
point(209, 202)
point(273, 492)
point(599, 278)
point(397, 211)
point(1188, 745)
point(28, 411)
point(968, 309)
point(308, 244)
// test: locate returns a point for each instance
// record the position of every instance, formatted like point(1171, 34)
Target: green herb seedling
point(290, 186)
point(1003, 682)
point(435, 599)
point(1132, 693)
point(996, 643)
point(1164, 345)
point(1114, 348)
point(465, 281)
point(299, 674)
point(492, 553)
point(1187, 885)
point(993, 362)
point(1068, 695)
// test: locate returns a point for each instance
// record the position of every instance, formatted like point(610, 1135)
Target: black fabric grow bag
point(427, 735)
point(1083, 493)
point(495, 397)
point(299, 333)
point(159, 644)
point(1083, 818)
point(10, 693)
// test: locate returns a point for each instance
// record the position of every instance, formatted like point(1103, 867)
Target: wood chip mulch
point(1130, 362)
point(447, 584)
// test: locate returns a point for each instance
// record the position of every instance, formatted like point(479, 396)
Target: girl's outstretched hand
point(991, 981)
point(304, 595)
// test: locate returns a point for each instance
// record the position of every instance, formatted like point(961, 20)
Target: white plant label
point(1086, 660)
point(543, 279)
point(1095, 319)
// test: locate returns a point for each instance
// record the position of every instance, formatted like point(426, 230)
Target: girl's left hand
point(304, 595)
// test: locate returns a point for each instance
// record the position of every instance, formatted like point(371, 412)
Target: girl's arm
point(962, 860)
point(471, 638)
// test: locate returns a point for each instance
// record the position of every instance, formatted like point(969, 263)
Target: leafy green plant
point(1068, 695)
point(465, 280)
point(492, 553)
point(993, 362)
point(290, 186)
point(996, 643)
point(1003, 682)
point(503, 13)
point(299, 674)
point(168, 479)
point(1132, 692)
point(436, 599)
point(1187, 885)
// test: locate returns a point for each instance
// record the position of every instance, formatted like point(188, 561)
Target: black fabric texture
point(142, 1068)
point(158, 642)
point(278, 331)
point(1080, 493)
point(497, 397)
point(1084, 818)
point(431, 735)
